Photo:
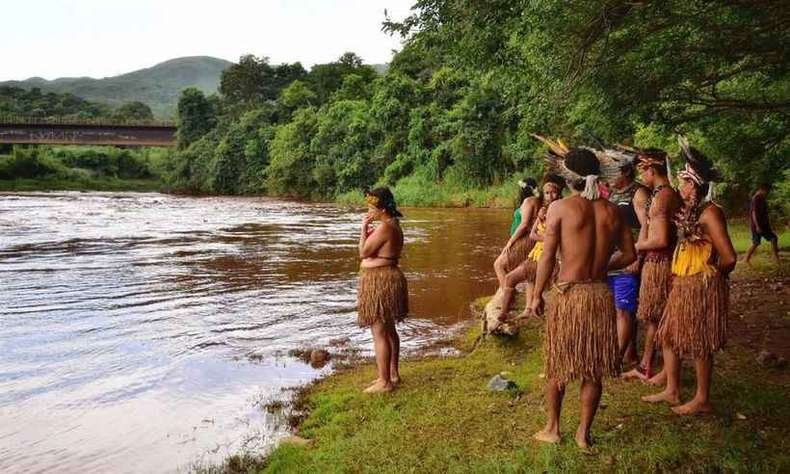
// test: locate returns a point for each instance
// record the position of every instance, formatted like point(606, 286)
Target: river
point(145, 332)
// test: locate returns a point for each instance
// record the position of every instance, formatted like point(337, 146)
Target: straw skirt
point(581, 333)
point(654, 289)
point(382, 296)
point(695, 319)
point(517, 253)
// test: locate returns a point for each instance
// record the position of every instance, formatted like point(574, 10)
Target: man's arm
point(661, 211)
point(715, 225)
point(551, 241)
point(626, 253)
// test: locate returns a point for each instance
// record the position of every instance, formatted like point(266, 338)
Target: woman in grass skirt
point(383, 297)
point(694, 323)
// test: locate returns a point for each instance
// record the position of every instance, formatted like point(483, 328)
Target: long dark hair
point(383, 199)
point(527, 186)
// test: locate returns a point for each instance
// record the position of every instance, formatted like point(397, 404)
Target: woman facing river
point(383, 297)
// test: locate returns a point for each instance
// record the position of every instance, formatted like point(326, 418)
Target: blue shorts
point(766, 234)
point(625, 288)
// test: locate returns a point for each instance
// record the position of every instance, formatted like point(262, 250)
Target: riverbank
point(87, 184)
point(443, 418)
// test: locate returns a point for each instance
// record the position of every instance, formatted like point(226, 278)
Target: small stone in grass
point(500, 384)
point(740, 416)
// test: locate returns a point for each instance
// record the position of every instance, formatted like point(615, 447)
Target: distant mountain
point(158, 86)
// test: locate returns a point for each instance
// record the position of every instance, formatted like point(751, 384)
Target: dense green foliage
point(450, 120)
point(158, 86)
point(81, 167)
point(34, 103)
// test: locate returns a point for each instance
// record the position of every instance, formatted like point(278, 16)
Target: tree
point(297, 95)
point(325, 79)
point(132, 111)
point(196, 116)
point(253, 81)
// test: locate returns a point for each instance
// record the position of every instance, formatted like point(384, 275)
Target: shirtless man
point(630, 198)
point(581, 327)
point(657, 243)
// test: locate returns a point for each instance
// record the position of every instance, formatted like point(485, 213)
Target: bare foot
point(657, 380)
point(380, 387)
point(671, 398)
point(633, 374)
point(693, 407)
point(546, 436)
point(583, 441)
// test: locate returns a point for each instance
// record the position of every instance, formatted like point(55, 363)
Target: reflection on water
point(129, 320)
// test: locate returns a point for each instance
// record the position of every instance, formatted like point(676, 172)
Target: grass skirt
point(382, 296)
point(518, 253)
point(530, 270)
point(654, 289)
point(581, 333)
point(695, 318)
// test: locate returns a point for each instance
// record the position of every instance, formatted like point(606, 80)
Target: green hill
point(158, 86)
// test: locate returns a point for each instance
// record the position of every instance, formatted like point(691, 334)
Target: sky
point(101, 38)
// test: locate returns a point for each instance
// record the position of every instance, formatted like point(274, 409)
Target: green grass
point(443, 419)
point(83, 184)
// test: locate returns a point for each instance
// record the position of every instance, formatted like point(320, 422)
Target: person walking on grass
point(694, 323)
point(581, 325)
point(759, 223)
point(657, 242)
point(383, 297)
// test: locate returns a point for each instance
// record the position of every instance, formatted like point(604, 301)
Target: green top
point(516, 221)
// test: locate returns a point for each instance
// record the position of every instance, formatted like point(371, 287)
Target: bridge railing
point(8, 119)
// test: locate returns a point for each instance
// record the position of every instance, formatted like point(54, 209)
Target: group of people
point(610, 252)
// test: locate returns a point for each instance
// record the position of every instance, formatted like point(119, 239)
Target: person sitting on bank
point(581, 323)
point(383, 297)
point(760, 224)
point(694, 323)
point(525, 272)
point(519, 244)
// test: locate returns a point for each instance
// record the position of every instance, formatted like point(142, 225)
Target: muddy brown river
point(145, 332)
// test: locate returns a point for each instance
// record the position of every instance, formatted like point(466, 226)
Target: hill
point(158, 86)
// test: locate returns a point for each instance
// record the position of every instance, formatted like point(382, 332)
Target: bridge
point(64, 131)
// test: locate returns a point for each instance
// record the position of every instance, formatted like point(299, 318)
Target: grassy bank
point(443, 418)
point(87, 184)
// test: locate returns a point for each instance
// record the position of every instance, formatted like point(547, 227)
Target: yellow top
point(692, 258)
point(537, 250)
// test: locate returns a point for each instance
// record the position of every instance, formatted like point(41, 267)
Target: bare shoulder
point(642, 194)
point(665, 202)
point(531, 202)
point(712, 212)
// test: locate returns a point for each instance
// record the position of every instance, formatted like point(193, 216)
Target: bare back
point(586, 234)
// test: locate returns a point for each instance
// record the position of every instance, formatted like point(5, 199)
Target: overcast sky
point(100, 38)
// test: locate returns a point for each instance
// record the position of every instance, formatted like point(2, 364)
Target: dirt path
point(760, 312)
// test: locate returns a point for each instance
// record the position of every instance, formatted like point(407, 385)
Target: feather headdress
point(611, 160)
point(556, 163)
point(698, 167)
